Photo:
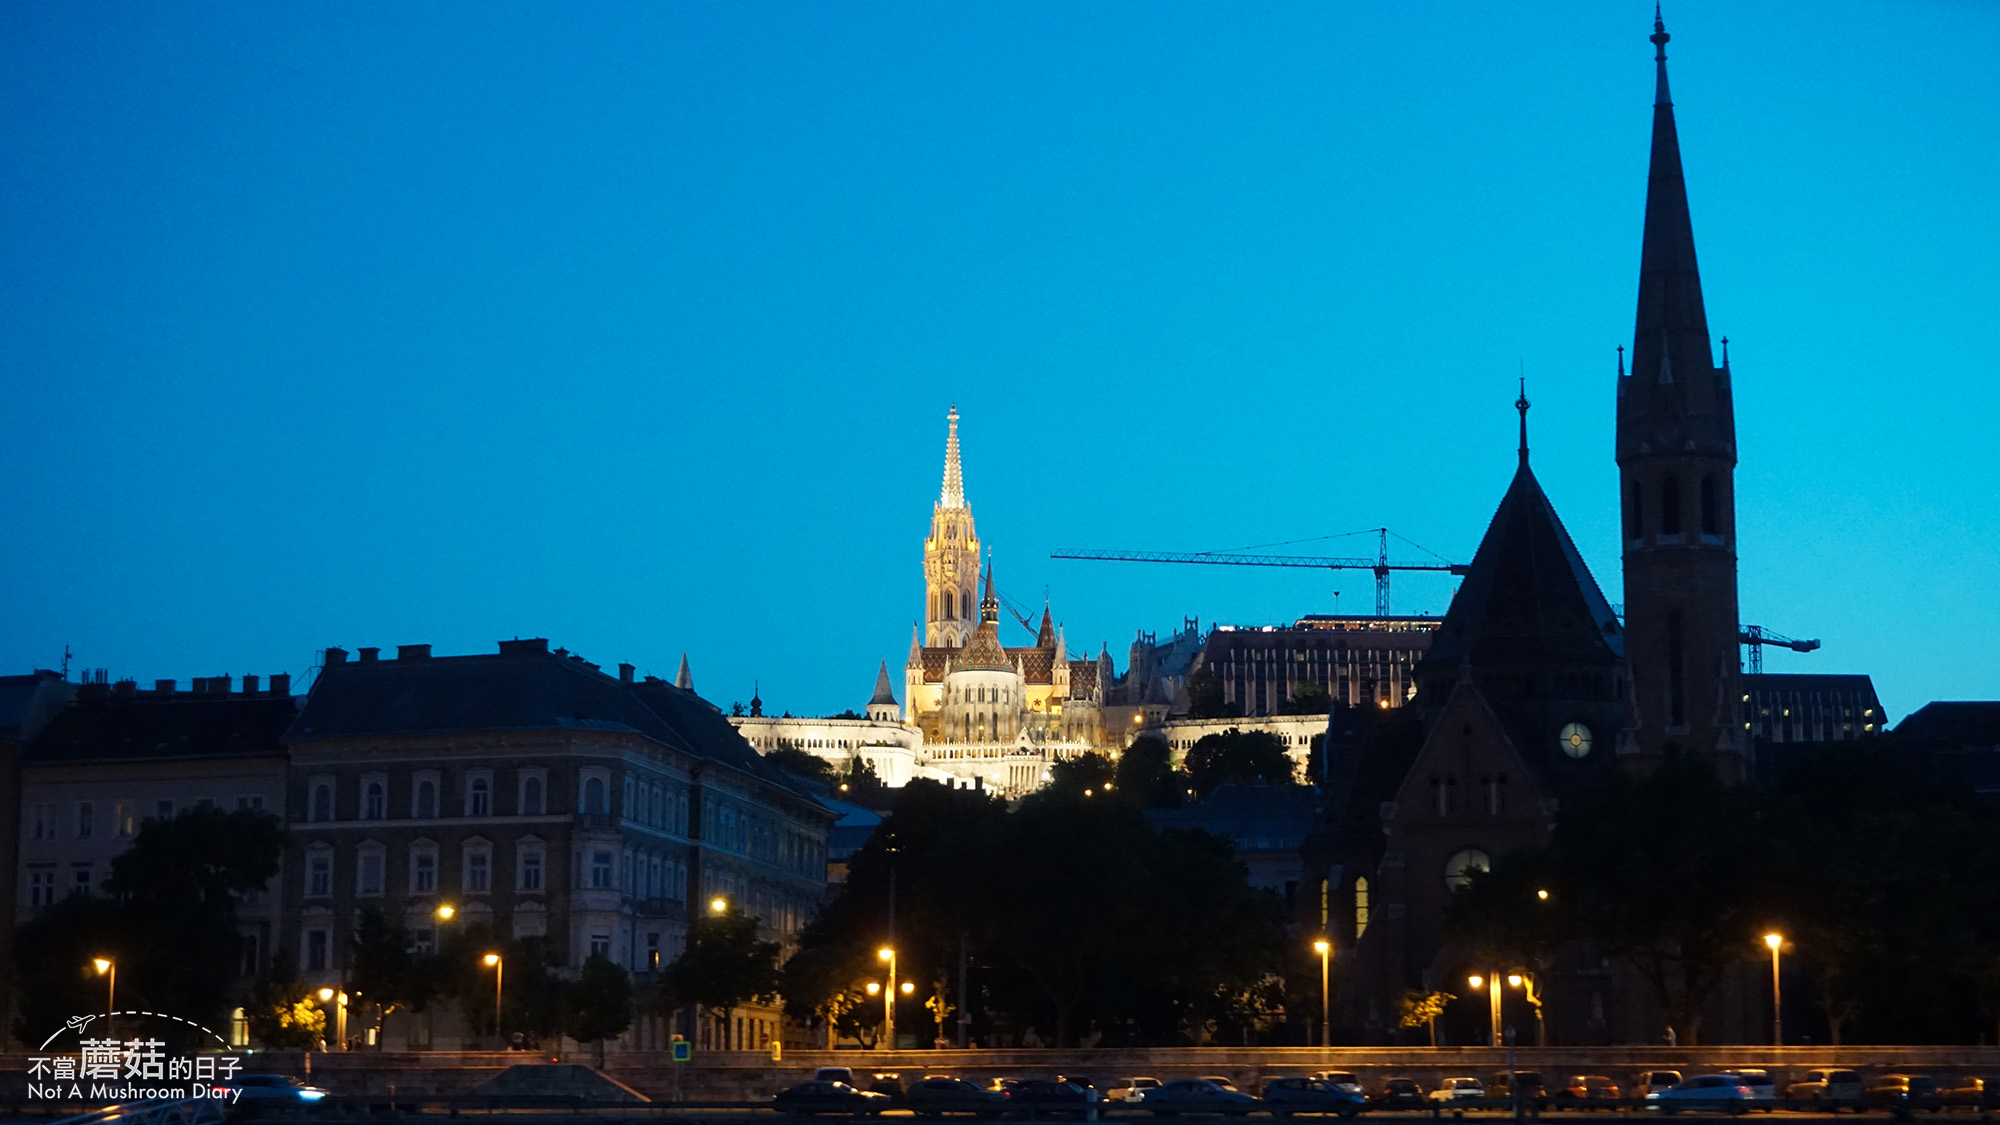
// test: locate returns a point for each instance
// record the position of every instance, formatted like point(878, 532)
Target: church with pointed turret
point(1533, 688)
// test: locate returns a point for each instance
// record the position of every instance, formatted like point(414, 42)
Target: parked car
point(1723, 1093)
point(1534, 1092)
point(1833, 1088)
point(836, 1074)
point(1459, 1090)
point(1197, 1095)
point(1222, 1080)
point(274, 1088)
point(1039, 1096)
point(1399, 1092)
point(1131, 1089)
point(887, 1083)
point(1651, 1082)
point(939, 1094)
point(1590, 1091)
point(816, 1095)
point(1970, 1091)
point(1003, 1085)
point(1344, 1079)
point(1286, 1096)
point(1762, 1089)
point(1906, 1091)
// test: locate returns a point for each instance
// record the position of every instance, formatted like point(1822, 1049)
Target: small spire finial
point(1725, 353)
point(1659, 40)
point(1521, 404)
point(1621, 361)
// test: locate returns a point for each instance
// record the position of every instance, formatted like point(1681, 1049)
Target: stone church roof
point(885, 693)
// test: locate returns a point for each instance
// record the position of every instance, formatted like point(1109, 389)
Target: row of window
point(426, 787)
point(1445, 797)
point(644, 875)
point(45, 817)
point(1706, 500)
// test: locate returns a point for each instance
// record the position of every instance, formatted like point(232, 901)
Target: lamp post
point(889, 996)
point(108, 967)
point(499, 967)
point(446, 911)
point(718, 905)
point(1325, 950)
point(1526, 982)
point(338, 999)
point(1491, 983)
point(1776, 941)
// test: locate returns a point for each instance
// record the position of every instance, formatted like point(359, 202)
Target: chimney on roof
point(625, 672)
point(369, 655)
point(281, 683)
point(533, 646)
point(336, 656)
point(163, 688)
point(249, 685)
point(413, 652)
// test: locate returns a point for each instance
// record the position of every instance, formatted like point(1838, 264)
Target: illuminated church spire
point(954, 477)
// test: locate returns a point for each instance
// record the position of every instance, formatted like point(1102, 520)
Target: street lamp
point(718, 905)
point(889, 996)
point(1325, 950)
point(1492, 985)
point(1526, 982)
point(1776, 941)
point(339, 1000)
point(499, 968)
point(445, 911)
point(108, 967)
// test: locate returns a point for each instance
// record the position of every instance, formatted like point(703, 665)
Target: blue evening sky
point(635, 326)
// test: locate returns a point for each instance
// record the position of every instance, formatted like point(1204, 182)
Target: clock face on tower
point(1575, 739)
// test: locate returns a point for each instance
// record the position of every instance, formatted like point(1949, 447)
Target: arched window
point(1710, 521)
point(1635, 513)
point(965, 604)
point(374, 802)
point(479, 797)
point(1670, 505)
point(322, 802)
point(593, 795)
point(1360, 908)
point(427, 798)
point(531, 797)
point(948, 614)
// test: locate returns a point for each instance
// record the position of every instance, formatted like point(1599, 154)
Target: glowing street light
point(1325, 950)
point(1776, 941)
point(1543, 895)
point(1492, 985)
point(446, 911)
point(330, 996)
point(718, 905)
point(108, 967)
point(889, 996)
point(874, 987)
point(493, 961)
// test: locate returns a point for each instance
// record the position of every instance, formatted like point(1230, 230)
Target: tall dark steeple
point(1676, 450)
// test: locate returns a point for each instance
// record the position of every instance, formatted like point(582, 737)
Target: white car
point(1725, 1093)
point(1131, 1090)
point(1459, 1090)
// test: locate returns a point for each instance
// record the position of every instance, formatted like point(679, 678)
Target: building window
point(529, 869)
point(322, 801)
point(600, 871)
point(42, 821)
point(368, 871)
point(1670, 505)
point(86, 819)
point(80, 881)
point(122, 821)
point(319, 874)
point(318, 944)
point(423, 871)
point(593, 795)
point(600, 945)
point(1711, 521)
point(249, 960)
point(652, 952)
point(425, 806)
point(531, 795)
point(479, 797)
point(375, 802)
point(41, 888)
point(423, 940)
point(1496, 795)
point(478, 870)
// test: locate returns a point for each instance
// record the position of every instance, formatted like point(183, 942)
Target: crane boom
point(1756, 637)
point(1380, 565)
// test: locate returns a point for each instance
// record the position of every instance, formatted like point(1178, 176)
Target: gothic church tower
point(951, 558)
point(1676, 452)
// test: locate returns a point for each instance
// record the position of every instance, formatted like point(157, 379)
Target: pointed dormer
point(1676, 451)
point(1531, 629)
point(951, 555)
point(1045, 637)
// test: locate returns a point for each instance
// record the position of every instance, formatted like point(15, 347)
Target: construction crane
point(1380, 564)
point(1756, 636)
